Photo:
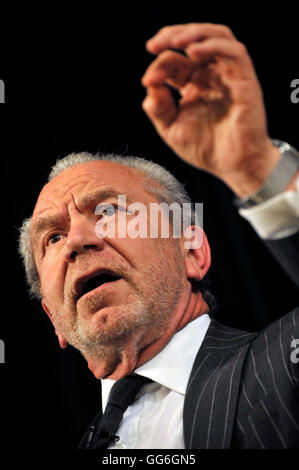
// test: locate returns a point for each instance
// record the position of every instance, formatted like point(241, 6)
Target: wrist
point(254, 172)
point(281, 177)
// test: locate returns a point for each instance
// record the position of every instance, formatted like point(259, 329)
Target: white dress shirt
point(155, 419)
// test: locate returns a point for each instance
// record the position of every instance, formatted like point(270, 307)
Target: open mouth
point(96, 281)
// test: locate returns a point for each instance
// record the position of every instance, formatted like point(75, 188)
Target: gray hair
point(159, 182)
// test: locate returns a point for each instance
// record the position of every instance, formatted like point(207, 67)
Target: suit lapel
point(213, 387)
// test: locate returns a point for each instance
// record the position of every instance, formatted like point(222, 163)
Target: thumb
point(160, 107)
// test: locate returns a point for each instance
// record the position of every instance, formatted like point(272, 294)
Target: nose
point(81, 237)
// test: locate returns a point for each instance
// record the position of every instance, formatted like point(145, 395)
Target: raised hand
point(219, 124)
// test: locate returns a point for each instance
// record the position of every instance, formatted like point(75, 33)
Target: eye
point(53, 238)
point(107, 210)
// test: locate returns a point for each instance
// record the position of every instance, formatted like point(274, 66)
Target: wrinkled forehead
point(85, 178)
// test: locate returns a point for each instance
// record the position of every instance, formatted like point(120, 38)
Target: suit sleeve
point(286, 251)
point(276, 221)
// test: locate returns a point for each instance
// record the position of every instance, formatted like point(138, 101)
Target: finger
point(180, 36)
point(160, 107)
point(225, 48)
point(171, 67)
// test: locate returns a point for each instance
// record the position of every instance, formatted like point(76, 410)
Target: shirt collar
point(172, 366)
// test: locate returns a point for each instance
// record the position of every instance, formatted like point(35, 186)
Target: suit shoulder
point(285, 324)
point(279, 334)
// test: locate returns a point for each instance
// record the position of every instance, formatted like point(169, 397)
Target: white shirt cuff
point(276, 218)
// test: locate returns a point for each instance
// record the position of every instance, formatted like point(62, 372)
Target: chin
point(110, 327)
point(100, 369)
point(116, 361)
point(99, 374)
point(115, 372)
point(121, 370)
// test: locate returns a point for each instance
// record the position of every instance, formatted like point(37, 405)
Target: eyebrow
point(44, 223)
point(97, 196)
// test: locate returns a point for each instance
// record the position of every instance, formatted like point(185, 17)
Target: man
point(136, 304)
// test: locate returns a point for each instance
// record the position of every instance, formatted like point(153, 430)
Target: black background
point(73, 84)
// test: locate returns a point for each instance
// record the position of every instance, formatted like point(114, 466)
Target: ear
point(197, 253)
point(62, 341)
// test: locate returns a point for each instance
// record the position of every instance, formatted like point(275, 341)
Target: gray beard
point(149, 310)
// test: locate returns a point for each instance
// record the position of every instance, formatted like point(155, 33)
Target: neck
point(190, 306)
point(194, 308)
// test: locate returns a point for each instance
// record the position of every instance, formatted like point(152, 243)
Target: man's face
point(109, 297)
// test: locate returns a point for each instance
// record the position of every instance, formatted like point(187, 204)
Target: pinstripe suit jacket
point(243, 391)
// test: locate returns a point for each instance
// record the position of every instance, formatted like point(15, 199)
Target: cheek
point(139, 252)
point(52, 281)
point(149, 255)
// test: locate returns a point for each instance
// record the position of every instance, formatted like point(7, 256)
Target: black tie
point(121, 396)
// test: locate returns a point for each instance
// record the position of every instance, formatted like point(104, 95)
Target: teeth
point(97, 281)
